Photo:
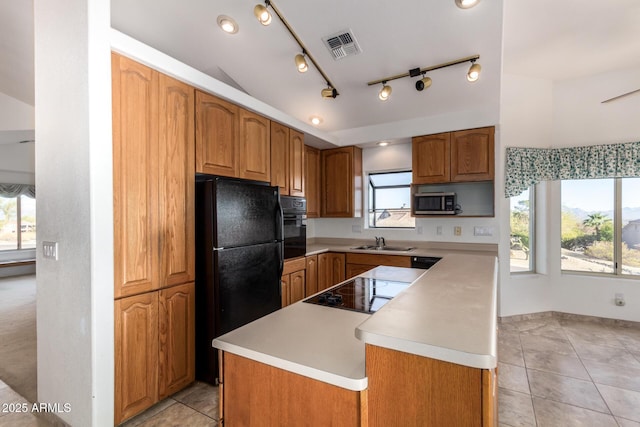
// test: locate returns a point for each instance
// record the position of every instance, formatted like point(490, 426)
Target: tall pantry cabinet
point(154, 262)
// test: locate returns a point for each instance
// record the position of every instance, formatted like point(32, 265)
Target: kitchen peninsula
point(427, 357)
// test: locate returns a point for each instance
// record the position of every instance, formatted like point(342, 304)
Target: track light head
point(474, 72)
point(301, 63)
point(329, 92)
point(423, 84)
point(385, 92)
point(262, 13)
point(466, 4)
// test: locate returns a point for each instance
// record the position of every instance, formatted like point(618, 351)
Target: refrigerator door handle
point(280, 228)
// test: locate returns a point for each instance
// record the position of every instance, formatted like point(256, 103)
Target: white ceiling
point(546, 38)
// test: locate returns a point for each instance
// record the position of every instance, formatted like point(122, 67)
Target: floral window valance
point(15, 190)
point(528, 166)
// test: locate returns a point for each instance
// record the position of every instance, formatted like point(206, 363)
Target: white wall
point(17, 163)
point(15, 114)
point(393, 158)
point(73, 179)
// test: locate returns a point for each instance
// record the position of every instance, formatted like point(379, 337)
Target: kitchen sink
point(384, 248)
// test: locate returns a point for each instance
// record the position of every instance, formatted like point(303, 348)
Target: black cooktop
point(360, 294)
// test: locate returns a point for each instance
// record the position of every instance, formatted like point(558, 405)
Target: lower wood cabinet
point(154, 347)
point(331, 269)
point(293, 281)
point(311, 275)
point(410, 390)
point(358, 263)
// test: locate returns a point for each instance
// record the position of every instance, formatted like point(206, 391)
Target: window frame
point(532, 235)
point(617, 237)
point(371, 207)
point(19, 242)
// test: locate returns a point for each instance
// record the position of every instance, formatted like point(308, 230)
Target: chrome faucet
point(380, 243)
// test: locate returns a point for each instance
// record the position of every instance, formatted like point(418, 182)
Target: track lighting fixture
point(264, 17)
point(262, 13)
point(425, 82)
point(474, 71)
point(301, 63)
point(385, 92)
point(466, 4)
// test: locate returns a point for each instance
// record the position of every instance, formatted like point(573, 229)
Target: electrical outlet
point(439, 230)
point(419, 230)
point(483, 231)
point(50, 250)
point(457, 230)
point(356, 228)
point(619, 300)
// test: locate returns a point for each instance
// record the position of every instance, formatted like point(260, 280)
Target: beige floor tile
point(508, 326)
point(629, 337)
point(149, 413)
point(198, 385)
point(22, 420)
point(510, 349)
point(593, 333)
point(179, 415)
point(549, 344)
point(204, 400)
point(548, 327)
point(566, 390)
point(623, 403)
point(515, 409)
point(513, 378)
point(605, 354)
point(613, 375)
point(563, 364)
point(622, 422)
point(555, 414)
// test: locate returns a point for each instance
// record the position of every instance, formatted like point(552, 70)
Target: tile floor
point(553, 371)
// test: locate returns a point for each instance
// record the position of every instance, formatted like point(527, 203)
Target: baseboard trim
point(568, 316)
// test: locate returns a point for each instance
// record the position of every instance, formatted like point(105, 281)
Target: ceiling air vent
point(342, 44)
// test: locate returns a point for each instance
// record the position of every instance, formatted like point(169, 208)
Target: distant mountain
point(628, 214)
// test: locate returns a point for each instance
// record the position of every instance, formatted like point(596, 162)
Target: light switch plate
point(50, 250)
point(483, 231)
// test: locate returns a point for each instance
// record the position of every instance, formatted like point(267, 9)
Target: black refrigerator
point(239, 260)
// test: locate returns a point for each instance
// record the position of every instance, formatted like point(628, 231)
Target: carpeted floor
point(18, 364)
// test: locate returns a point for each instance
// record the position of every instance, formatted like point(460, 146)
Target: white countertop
point(449, 313)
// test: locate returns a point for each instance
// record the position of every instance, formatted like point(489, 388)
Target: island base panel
point(256, 394)
point(410, 390)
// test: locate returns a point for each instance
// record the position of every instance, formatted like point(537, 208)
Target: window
point(17, 223)
point(390, 200)
point(600, 226)
point(522, 232)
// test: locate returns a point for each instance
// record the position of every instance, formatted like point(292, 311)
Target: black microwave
point(434, 204)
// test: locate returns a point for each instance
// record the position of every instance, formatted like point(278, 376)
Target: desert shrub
point(600, 250)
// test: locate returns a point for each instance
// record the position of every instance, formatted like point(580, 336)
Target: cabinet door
point(353, 270)
point(176, 181)
point(472, 155)
point(135, 171)
point(431, 158)
point(312, 181)
point(217, 136)
point(342, 182)
point(284, 289)
point(296, 164)
point(296, 286)
point(255, 149)
point(136, 354)
point(311, 279)
point(280, 157)
point(177, 360)
point(337, 262)
point(331, 269)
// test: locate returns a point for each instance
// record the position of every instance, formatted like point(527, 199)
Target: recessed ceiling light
point(228, 24)
point(315, 120)
point(466, 4)
point(383, 143)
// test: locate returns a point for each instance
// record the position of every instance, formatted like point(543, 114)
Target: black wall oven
point(294, 211)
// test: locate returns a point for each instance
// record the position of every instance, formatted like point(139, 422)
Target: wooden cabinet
point(461, 156)
point(293, 281)
point(358, 263)
point(472, 155)
point(217, 136)
point(231, 141)
point(311, 275)
point(287, 160)
point(342, 182)
point(312, 181)
point(136, 354)
point(154, 235)
point(255, 148)
point(406, 389)
point(331, 269)
point(176, 367)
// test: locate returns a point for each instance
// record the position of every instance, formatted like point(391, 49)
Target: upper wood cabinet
point(312, 180)
point(287, 160)
point(342, 182)
point(153, 184)
point(255, 148)
point(472, 155)
point(461, 156)
point(217, 136)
